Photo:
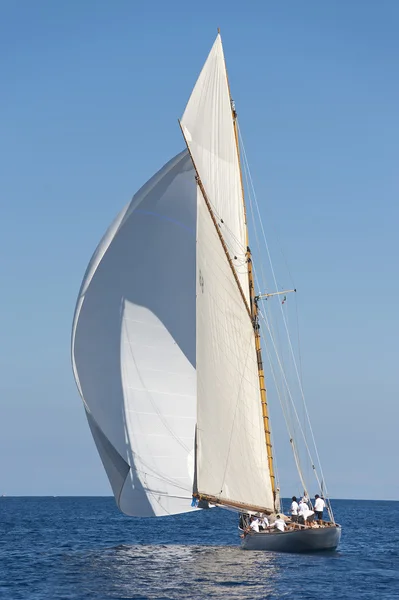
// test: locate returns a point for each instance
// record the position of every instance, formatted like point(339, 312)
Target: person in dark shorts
point(319, 505)
point(294, 509)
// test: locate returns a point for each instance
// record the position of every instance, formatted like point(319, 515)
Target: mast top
point(219, 30)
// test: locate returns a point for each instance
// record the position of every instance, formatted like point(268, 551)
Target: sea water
point(81, 548)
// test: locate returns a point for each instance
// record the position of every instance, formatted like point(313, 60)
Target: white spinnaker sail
point(208, 128)
point(133, 345)
point(231, 452)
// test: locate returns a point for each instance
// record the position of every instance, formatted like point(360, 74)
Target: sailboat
point(166, 346)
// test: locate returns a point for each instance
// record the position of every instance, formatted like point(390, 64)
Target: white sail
point(133, 345)
point(231, 452)
point(208, 129)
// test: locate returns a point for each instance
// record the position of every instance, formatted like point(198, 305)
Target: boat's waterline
point(304, 540)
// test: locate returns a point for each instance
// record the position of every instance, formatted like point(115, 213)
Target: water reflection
point(180, 571)
point(60, 548)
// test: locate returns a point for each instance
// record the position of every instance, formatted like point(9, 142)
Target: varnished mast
point(255, 318)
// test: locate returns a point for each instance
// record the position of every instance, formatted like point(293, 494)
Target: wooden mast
point(254, 313)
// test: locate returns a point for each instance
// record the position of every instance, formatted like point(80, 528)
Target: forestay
point(133, 345)
point(208, 129)
point(231, 452)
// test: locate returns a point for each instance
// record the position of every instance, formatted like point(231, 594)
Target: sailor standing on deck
point(319, 505)
point(294, 509)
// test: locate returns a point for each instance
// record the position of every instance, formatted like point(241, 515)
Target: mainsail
point(232, 463)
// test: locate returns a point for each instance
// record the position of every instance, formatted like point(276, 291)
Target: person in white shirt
point(304, 512)
point(279, 523)
point(302, 508)
point(264, 523)
point(294, 509)
point(254, 524)
point(319, 505)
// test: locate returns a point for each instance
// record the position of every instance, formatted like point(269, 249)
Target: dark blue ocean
point(81, 548)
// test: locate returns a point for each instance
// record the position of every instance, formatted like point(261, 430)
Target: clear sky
point(90, 95)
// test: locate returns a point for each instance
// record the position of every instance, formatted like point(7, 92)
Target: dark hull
point(303, 540)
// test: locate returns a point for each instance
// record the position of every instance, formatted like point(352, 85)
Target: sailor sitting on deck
point(279, 523)
point(264, 523)
point(254, 524)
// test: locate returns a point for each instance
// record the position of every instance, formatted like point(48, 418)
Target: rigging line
point(249, 196)
point(270, 320)
point(158, 501)
point(151, 493)
point(299, 380)
point(152, 473)
point(270, 327)
point(300, 359)
point(292, 402)
point(168, 495)
point(222, 224)
point(284, 408)
point(290, 424)
point(265, 320)
point(263, 277)
point(286, 412)
point(274, 226)
point(285, 323)
point(286, 418)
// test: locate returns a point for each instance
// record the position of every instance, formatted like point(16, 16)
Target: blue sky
point(90, 96)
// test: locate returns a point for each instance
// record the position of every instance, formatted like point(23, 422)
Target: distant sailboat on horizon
point(166, 340)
